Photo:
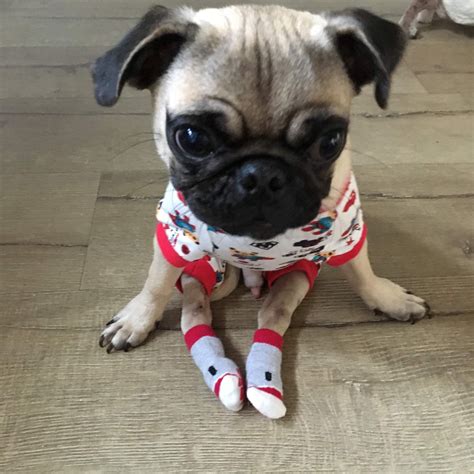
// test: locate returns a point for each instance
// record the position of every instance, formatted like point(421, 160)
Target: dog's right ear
point(143, 55)
point(370, 48)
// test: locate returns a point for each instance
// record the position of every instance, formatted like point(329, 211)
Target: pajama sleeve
point(350, 231)
point(177, 231)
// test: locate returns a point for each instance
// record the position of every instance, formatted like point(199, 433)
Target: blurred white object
point(423, 11)
point(460, 11)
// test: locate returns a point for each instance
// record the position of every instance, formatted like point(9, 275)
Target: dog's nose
point(262, 176)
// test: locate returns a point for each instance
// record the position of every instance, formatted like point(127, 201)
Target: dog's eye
point(331, 144)
point(194, 141)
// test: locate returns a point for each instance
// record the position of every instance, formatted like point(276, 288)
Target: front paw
point(413, 33)
point(384, 296)
point(411, 30)
point(130, 327)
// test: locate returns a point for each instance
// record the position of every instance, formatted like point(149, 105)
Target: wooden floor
point(78, 192)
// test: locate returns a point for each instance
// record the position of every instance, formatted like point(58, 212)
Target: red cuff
point(272, 391)
point(217, 386)
point(167, 249)
point(203, 272)
point(268, 336)
point(338, 260)
point(309, 268)
point(195, 333)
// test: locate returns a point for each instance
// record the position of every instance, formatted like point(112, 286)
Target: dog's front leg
point(220, 373)
point(264, 384)
point(380, 294)
point(131, 326)
point(409, 20)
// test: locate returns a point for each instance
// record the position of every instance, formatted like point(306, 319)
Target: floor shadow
point(290, 358)
point(439, 24)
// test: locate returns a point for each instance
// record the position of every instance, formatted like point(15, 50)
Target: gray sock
point(221, 374)
point(264, 384)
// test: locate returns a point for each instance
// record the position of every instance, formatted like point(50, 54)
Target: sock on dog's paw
point(221, 374)
point(265, 388)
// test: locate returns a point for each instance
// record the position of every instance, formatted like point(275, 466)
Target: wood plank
point(407, 238)
point(440, 57)
point(122, 231)
point(54, 54)
point(439, 83)
point(94, 30)
point(388, 398)
point(329, 304)
point(400, 104)
point(407, 139)
point(108, 143)
point(375, 182)
point(404, 81)
point(415, 180)
point(414, 237)
point(124, 8)
point(443, 31)
point(40, 268)
point(133, 184)
point(73, 55)
point(469, 97)
point(65, 32)
point(48, 208)
point(136, 104)
point(76, 144)
point(71, 81)
point(48, 56)
point(52, 83)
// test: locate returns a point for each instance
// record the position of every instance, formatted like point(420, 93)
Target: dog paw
point(130, 327)
point(390, 299)
point(411, 30)
point(413, 33)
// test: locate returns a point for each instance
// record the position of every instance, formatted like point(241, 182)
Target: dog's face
point(252, 103)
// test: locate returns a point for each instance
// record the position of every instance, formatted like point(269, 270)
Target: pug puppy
point(251, 116)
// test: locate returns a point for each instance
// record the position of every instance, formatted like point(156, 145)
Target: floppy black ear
point(143, 55)
point(370, 48)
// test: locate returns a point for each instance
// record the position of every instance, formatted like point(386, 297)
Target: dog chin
point(259, 227)
point(257, 230)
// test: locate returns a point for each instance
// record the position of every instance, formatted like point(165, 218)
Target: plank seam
point(450, 314)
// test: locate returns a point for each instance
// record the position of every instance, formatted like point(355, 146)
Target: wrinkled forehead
point(269, 63)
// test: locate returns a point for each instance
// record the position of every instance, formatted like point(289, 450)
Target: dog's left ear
point(144, 54)
point(370, 48)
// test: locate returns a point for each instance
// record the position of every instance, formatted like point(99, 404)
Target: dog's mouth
point(261, 225)
point(257, 202)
